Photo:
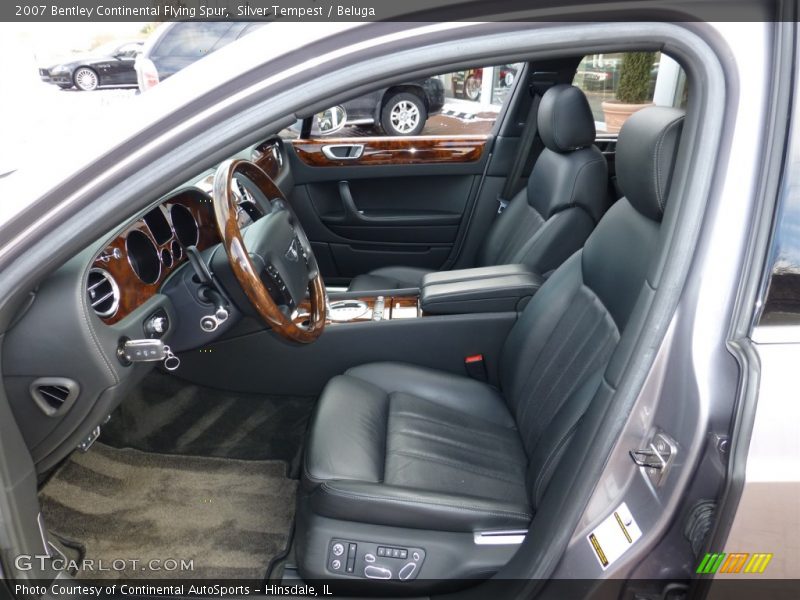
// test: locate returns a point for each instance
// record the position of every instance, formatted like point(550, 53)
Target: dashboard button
point(373, 572)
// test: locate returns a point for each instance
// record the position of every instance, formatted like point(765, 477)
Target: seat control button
point(373, 572)
point(336, 564)
point(416, 556)
point(407, 571)
point(370, 558)
point(338, 549)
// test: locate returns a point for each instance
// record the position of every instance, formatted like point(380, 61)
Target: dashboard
point(134, 266)
point(131, 269)
point(64, 365)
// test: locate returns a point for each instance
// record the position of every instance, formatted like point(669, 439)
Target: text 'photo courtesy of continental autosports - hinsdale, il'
point(441, 300)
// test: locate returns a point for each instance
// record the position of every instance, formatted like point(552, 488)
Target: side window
point(780, 304)
point(192, 39)
point(619, 84)
point(129, 50)
point(460, 103)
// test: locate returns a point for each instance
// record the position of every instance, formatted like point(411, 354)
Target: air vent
point(54, 395)
point(103, 292)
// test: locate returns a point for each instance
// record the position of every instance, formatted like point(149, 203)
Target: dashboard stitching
point(98, 346)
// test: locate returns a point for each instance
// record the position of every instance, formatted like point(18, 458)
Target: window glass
point(781, 300)
point(192, 39)
point(461, 103)
point(129, 50)
point(618, 84)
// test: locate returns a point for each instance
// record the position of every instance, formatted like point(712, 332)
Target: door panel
point(402, 201)
point(369, 200)
point(355, 259)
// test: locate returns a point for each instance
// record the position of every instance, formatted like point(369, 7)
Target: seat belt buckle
point(501, 205)
point(476, 367)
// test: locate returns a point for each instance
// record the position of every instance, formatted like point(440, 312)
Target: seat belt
point(523, 151)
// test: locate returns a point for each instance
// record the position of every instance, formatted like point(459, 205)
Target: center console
point(455, 315)
point(363, 309)
point(503, 288)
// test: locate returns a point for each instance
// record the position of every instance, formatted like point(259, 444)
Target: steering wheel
point(271, 258)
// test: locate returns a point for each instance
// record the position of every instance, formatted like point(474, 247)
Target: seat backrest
point(557, 357)
point(566, 193)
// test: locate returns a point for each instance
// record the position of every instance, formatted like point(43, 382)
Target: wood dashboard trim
point(395, 151)
point(132, 290)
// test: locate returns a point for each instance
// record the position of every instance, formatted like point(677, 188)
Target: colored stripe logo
point(735, 562)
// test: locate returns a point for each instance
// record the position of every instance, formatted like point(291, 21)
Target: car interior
point(343, 358)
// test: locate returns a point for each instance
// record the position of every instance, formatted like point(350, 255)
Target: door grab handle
point(352, 214)
point(343, 151)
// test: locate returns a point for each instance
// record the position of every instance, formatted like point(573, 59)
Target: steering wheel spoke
point(277, 245)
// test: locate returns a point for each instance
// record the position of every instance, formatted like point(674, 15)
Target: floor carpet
point(230, 517)
point(171, 416)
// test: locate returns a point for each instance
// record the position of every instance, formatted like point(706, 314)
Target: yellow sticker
point(612, 538)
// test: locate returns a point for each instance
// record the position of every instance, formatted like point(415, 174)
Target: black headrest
point(565, 119)
point(645, 157)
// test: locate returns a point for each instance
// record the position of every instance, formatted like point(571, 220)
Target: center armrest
point(487, 289)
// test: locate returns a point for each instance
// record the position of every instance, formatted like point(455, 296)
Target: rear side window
point(192, 40)
point(619, 83)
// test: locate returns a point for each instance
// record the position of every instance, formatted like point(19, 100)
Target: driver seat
point(403, 456)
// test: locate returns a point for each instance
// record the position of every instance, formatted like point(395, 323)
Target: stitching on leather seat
point(456, 507)
point(500, 453)
point(455, 465)
point(409, 415)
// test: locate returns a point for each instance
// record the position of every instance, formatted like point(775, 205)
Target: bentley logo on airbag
point(293, 252)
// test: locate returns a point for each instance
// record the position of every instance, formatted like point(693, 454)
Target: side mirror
point(329, 121)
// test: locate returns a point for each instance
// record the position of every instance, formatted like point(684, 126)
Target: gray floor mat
point(230, 517)
point(168, 415)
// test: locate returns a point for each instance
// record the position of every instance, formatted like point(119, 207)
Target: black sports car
point(109, 65)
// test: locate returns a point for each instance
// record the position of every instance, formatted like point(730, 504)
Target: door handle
point(343, 151)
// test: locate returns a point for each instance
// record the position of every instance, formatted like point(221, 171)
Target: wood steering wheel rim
point(226, 213)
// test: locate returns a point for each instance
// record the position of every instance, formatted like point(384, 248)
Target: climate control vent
point(103, 292)
point(54, 395)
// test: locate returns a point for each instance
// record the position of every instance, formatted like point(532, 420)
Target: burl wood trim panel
point(394, 151)
point(133, 291)
point(390, 304)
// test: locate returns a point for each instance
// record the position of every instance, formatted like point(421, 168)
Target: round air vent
point(103, 292)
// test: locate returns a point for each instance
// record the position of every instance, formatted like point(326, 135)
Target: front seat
point(422, 463)
point(552, 217)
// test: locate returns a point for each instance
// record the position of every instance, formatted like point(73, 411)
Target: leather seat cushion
point(395, 444)
point(389, 278)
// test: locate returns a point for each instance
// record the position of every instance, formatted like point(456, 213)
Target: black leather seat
point(407, 453)
point(552, 217)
